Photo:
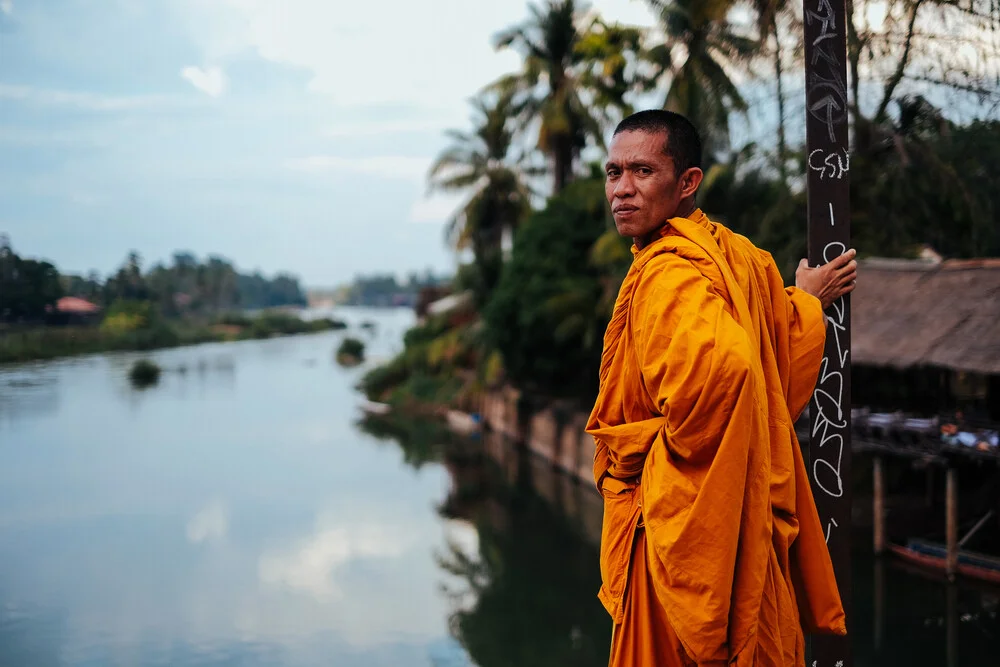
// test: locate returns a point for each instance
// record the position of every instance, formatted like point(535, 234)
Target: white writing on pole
point(830, 165)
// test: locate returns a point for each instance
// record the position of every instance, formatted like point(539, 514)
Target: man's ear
point(691, 181)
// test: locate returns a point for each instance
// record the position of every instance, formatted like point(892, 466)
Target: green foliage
point(327, 323)
point(350, 352)
point(119, 333)
point(126, 316)
point(383, 290)
point(924, 180)
point(380, 381)
point(481, 163)
point(572, 80)
point(422, 440)
point(435, 367)
point(29, 289)
point(144, 373)
point(917, 180)
point(544, 316)
point(701, 85)
point(188, 287)
point(234, 320)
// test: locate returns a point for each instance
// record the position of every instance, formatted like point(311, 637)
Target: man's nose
point(625, 187)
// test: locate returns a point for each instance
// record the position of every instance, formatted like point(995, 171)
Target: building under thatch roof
point(909, 313)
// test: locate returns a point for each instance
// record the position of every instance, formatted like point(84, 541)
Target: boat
point(373, 408)
point(934, 556)
point(463, 423)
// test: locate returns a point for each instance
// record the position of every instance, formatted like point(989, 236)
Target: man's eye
point(645, 171)
point(612, 174)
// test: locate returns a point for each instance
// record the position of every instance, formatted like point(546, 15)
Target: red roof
point(72, 304)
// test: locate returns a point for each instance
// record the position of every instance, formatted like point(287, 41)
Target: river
point(241, 512)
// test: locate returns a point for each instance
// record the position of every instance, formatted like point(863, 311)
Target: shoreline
point(50, 343)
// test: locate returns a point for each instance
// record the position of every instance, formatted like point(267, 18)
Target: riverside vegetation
point(925, 151)
point(182, 304)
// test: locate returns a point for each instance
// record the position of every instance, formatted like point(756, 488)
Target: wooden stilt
point(951, 625)
point(879, 603)
point(929, 490)
point(951, 521)
point(879, 505)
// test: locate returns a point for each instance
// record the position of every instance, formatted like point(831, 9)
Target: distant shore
point(32, 343)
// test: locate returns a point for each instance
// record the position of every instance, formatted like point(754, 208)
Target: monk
point(712, 552)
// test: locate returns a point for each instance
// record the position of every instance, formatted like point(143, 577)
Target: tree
point(571, 80)
point(29, 288)
point(544, 316)
point(481, 163)
point(700, 48)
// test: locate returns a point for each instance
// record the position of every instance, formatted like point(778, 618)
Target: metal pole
point(829, 235)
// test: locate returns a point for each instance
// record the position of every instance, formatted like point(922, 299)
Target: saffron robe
point(712, 551)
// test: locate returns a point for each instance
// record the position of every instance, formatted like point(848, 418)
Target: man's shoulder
point(744, 242)
point(670, 252)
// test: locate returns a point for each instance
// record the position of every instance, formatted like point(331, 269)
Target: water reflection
point(529, 582)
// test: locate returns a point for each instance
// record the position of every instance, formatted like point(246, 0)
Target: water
point(241, 513)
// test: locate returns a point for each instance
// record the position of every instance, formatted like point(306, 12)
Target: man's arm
point(816, 290)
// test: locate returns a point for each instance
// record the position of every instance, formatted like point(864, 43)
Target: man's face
point(642, 186)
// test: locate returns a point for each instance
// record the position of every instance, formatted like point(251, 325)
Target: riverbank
point(45, 342)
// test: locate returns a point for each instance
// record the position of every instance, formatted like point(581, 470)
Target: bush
point(351, 352)
point(235, 320)
point(144, 373)
point(381, 380)
point(327, 324)
point(544, 316)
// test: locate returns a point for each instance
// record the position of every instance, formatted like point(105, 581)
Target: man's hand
point(830, 281)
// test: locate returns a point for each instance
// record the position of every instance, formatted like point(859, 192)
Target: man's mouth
point(624, 209)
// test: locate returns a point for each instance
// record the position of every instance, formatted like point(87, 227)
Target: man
point(712, 552)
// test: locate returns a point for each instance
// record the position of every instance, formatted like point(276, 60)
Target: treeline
point(922, 101)
point(383, 290)
point(30, 289)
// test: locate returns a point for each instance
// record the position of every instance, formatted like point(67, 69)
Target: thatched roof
point(919, 313)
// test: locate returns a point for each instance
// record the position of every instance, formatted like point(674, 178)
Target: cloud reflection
point(311, 566)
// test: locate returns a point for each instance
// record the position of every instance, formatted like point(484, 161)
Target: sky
point(281, 134)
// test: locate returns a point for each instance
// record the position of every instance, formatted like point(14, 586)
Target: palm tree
point(571, 81)
point(701, 87)
point(481, 163)
point(768, 14)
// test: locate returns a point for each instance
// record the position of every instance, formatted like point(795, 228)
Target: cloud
point(7, 7)
point(366, 53)
point(209, 80)
point(370, 128)
point(388, 166)
point(85, 101)
point(211, 523)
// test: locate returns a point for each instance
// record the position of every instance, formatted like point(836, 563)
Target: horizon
point(236, 126)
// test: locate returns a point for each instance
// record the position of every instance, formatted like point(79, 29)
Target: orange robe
point(712, 551)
